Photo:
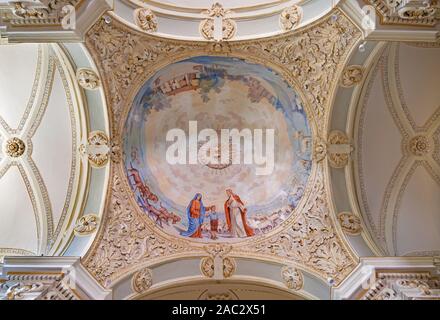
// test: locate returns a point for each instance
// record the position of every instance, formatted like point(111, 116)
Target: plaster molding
point(323, 254)
point(388, 65)
point(63, 278)
point(370, 270)
point(49, 29)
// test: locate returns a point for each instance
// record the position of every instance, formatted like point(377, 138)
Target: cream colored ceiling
point(36, 189)
point(45, 187)
point(398, 189)
point(41, 191)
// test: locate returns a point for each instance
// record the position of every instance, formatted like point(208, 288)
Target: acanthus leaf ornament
point(291, 17)
point(292, 277)
point(145, 19)
point(88, 79)
point(142, 280)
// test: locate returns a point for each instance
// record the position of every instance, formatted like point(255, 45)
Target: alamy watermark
point(219, 149)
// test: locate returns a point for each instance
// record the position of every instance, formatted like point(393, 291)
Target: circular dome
point(217, 148)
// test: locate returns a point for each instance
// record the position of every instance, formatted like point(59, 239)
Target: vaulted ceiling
point(398, 173)
point(373, 106)
point(43, 122)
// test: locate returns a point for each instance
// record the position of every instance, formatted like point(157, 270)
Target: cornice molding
point(88, 11)
point(75, 278)
point(364, 276)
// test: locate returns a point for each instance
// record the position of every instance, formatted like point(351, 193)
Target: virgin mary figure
point(235, 214)
point(196, 213)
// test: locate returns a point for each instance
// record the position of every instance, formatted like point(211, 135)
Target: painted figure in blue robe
point(196, 213)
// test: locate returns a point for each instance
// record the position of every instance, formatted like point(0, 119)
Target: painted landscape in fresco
point(223, 202)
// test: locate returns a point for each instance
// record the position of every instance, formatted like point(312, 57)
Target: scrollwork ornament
point(291, 17)
point(292, 277)
point(142, 280)
point(86, 225)
point(145, 19)
point(350, 223)
point(88, 79)
point(351, 76)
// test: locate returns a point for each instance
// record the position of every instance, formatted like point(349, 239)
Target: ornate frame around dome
point(331, 257)
point(266, 63)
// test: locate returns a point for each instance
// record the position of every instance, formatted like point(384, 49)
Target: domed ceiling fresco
point(206, 101)
point(242, 149)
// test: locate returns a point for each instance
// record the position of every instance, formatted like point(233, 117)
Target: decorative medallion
point(352, 75)
point(292, 277)
point(86, 225)
point(15, 147)
point(207, 26)
point(339, 149)
point(419, 146)
point(142, 280)
point(350, 223)
point(88, 79)
point(207, 267)
point(291, 17)
point(229, 267)
point(97, 149)
point(145, 19)
point(212, 189)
